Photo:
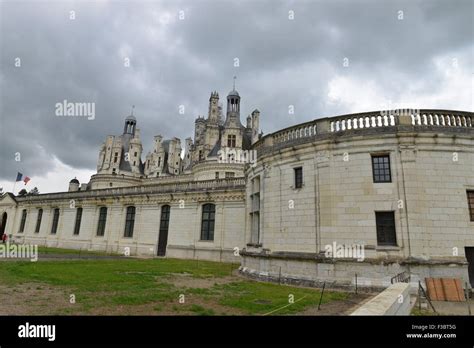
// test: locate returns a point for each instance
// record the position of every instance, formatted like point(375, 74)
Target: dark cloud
point(179, 62)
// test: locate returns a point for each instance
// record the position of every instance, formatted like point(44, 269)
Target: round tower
point(130, 125)
point(233, 104)
point(73, 185)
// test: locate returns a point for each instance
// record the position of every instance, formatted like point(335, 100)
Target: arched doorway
point(164, 224)
point(3, 224)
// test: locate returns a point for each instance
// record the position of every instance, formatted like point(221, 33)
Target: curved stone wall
point(431, 156)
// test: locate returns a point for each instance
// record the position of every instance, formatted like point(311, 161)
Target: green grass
point(200, 310)
point(264, 298)
point(42, 250)
point(134, 282)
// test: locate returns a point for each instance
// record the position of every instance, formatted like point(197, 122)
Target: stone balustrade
point(376, 119)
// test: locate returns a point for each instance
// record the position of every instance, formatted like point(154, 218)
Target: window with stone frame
point(23, 221)
point(298, 177)
point(470, 202)
point(54, 226)
point(208, 221)
point(231, 140)
point(38, 220)
point(255, 211)
point(129, 222)
point(385, 226)
point(77, 226)
point(381, 168)
point(102, 221)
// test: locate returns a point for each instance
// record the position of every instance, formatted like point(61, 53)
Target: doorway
point(3, 224)
point(164, 224)
point(469, 251)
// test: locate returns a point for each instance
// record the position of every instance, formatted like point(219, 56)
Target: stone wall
point(432, 167)
point(395, 300)
point(185, 203)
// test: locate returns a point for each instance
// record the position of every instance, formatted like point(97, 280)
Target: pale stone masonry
point(388, 191)
point(184, 224)
point(431, 167)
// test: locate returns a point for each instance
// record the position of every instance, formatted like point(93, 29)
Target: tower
point(74, 185)
point(130, 125)
point(233, 108)
point(255, 125)
point(214, 108)
point(233, 129)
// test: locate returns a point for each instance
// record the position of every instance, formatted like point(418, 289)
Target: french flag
point(19, 177)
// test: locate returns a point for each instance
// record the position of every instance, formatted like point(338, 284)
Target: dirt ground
point(339, 307)
point(41, 299)
point(32, 299)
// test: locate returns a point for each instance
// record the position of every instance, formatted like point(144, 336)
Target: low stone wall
point(395, 300)
point(370, 275)
point(196, 253)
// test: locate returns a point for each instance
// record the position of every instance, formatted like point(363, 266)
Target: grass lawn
point(132, 286)
point(42, 250)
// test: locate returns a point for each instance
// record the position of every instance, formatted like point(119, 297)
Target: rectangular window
point(298, 177)
point(23, 221)
point(102, 221)
point(54, 226)
point(38, 220)
point(116, 157)
point(217, 175)
point(231, 140)
point(385, 222)
point(208, 221)
point(255, 211)
point(129, 222)
point(381, 168)
point(229, 175)
point(77, 226)
point(470, 202)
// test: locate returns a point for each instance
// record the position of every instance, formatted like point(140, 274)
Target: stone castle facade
point(366, 196)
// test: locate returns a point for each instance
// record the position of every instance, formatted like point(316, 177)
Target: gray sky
point(400, 54)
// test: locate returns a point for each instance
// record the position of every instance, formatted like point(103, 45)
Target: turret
point(73, 185)
point(255, 125)
point(200, 125)
point(233, 108)
point(130, 124)
point(213, 115)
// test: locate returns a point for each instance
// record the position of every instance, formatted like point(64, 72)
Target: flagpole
point(14, 188)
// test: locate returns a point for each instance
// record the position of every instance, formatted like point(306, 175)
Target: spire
point(133, 107)
point(235, 77)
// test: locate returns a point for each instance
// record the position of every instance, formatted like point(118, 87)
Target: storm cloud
point(322, 57)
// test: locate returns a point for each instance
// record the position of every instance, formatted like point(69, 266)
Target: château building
point(361, 196)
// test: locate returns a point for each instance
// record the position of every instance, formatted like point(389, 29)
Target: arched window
point(23, 221)
point(102, 221)
point(129, 222)
point(208, 219)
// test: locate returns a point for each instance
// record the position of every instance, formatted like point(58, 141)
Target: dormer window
point(231, 140)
